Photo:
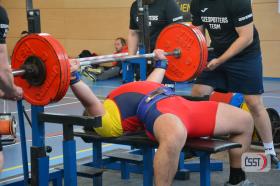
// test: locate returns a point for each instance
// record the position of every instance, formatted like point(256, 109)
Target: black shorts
point(240, 74)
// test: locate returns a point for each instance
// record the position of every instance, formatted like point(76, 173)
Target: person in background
point(235, 65)
point(107, 70)
point(185, 9)
point(161, 14)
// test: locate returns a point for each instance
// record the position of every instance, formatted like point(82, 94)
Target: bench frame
point(40, 175)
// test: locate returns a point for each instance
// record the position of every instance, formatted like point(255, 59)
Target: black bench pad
point(89, 172)
point(123, 154)
point(141, 140)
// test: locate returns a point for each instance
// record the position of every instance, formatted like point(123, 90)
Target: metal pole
point(146, 29)
point(140, 14)
point(23, 142)
point(29, 5)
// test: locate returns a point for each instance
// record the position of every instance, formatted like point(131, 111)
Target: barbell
point(41, 66)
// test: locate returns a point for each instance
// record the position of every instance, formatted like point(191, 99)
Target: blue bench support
point(40, 175)
point(23, 142)
point(56, 177)
point(129, 67)
point(205, 171)
point(69, 163)
point(97, 161)
point(148, 171)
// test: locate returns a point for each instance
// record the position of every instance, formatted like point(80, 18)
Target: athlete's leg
point(171, 134)
point(260, 116)
point(239, 125)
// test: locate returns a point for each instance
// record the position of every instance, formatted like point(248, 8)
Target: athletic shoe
point(89, 75)
point(243, 183)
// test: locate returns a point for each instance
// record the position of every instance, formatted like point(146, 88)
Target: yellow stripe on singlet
point(111, 121)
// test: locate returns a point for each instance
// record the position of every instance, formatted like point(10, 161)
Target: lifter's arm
point(88, 99)
point(85, 95)
point(157, 74)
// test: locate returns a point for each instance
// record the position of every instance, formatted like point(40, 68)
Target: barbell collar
point(19, 72)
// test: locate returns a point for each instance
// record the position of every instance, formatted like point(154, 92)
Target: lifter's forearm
point(6, 78)
point(157, 75)
point(85, 95)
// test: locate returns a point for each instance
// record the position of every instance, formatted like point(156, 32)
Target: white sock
point(269, 148)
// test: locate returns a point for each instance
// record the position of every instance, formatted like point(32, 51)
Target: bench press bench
point(203, 147)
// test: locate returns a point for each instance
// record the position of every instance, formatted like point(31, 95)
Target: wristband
point(75, 77)
point(161, 64)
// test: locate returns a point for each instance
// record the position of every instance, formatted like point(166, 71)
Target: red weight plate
point(202, 42)
point(204, 47)
point(44, 47)
point(65, 69)
point(205, 53)
point(58, 47)
point(196, 30)
point(65, 79)
point(181, 36)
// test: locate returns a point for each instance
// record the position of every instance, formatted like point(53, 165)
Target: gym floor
point(70, 105)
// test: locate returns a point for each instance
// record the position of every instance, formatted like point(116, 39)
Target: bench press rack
point(40, 174)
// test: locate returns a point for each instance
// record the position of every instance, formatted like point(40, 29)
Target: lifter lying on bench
point(167, 118)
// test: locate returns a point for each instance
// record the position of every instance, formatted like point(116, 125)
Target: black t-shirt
point(220, 18)
point(4, 25)
point(184, 6)
point(161, 14)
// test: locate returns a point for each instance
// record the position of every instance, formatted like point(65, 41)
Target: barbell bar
point(102, 59)
point(42, 65)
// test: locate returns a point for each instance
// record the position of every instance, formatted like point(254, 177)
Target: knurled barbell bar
point(43, 70)
point(31, 64)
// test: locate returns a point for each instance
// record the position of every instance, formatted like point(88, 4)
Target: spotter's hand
point(213, 64)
